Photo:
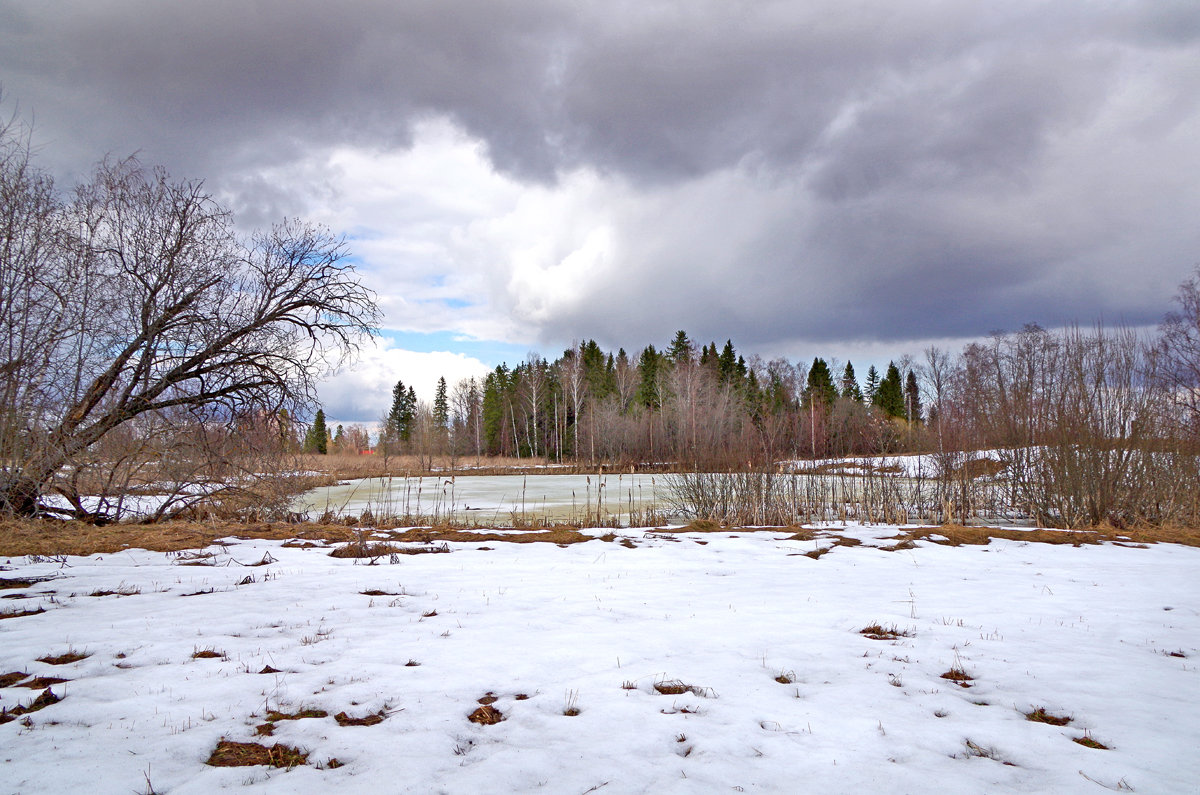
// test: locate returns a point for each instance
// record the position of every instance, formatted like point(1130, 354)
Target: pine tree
point(850, 388)
point(339, 438)
point(912, 398)
point(317, 438)
point(441, 405)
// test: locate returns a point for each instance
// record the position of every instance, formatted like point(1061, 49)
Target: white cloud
point(363, 393)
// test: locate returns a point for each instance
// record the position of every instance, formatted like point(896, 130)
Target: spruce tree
point(681, 348)
point(441, 405)
point(727, 363)
point(648, 365)
point(850, 388)
point(890, 395)
point(494, 387)
point(317, 438)
point(820, 384)
point(912, 398)
point(872, 385)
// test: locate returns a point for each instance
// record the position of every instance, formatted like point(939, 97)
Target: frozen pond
point(490, 499)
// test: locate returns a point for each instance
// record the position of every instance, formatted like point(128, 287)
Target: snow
point(1085, 632)
point(914, 466)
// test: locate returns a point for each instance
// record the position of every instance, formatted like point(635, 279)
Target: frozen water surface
point(491, 498)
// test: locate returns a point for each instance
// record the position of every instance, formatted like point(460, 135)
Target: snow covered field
point(1090, 633)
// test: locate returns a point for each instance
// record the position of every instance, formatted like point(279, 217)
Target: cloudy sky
point(848, 178)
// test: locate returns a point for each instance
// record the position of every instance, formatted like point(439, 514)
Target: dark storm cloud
point(900, 169)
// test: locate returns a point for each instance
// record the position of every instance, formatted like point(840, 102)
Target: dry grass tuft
point(269, 670)
point(878, 632)
point(208, 653)
point(959, 677)
point(675, 687)
point(44, 700)
point(40, 682)
point(486, 715)
point(370, 720)
point(786, 677)
point(9, 583)
point(377, 592)
point(365, 549)
point(275, 715)
point(1090, 742)
point(121, 590)
point(1040, 715)
point(68, 657)
point(571, 704)
point(974, 749)
point(231, 754)
point(486, 699)
point(10, 679)
point(20, 613)
point(672, 687)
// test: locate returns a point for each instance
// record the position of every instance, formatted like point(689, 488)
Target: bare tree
point(137, 298)
point(1178, 355)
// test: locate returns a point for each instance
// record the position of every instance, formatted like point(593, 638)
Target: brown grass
point(1089, 742)
point(20, 613)
point(21, 537)
point(555, 534)
point(1040, 715)
point(231, 754)
point(7, 583)
point(275, 715)
point(956, 535)
point(672, 687)
point(878, 632)
point(959, 677)
point(44, 700)
point(207, 654)
point(10, 679)
point(486, 715)
point(48, 537)
point(40, 682)
point(370, 720)
point(66, 658)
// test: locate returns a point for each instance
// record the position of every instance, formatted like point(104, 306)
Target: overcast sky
point(846, 178)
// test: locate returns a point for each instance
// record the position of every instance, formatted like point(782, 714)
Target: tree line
point(685, 404)
point(1087, 425)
